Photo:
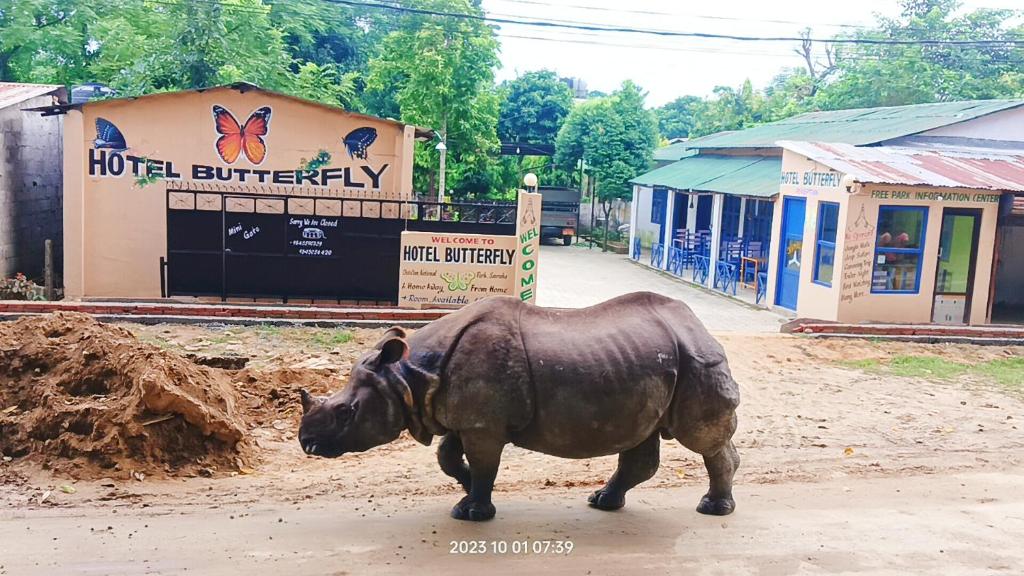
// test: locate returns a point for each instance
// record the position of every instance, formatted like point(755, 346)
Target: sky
point(671, 67)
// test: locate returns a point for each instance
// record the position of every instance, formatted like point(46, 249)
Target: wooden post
point(48, 269)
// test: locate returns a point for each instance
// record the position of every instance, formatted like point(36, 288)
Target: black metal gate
point(281, 247)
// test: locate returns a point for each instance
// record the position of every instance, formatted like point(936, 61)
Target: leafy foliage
point(615, 137)
point(534, 107)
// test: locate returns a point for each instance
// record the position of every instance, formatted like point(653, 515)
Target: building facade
point(30, 179)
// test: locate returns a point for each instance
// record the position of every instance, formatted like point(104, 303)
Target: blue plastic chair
point(726, 276)
point(701, 265)
point(762, 287)
point(657, 254)
point(675, 261)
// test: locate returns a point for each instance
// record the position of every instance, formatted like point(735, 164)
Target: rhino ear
point(392, 351)
point(391, 334)
point(307, 400)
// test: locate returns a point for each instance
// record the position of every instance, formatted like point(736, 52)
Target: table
point(756, 262)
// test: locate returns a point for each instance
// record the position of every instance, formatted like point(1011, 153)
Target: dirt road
point(948, 524)
point(858, 456)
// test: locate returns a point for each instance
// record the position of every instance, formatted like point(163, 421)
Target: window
point(659, 199)
point(825, 255)
point(899, 249)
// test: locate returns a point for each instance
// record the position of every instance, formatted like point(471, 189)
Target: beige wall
point(1005, 125)
point(116, 227)
point(850, 299)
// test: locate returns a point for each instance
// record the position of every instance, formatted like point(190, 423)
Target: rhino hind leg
point(449, 456)
point(636, 465)
point(721, 469)
point(484, 455)
point(712, 439)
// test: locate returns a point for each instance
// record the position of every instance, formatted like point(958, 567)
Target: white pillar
point(632, 218)
point(670, 202)
point(743, 216)
point(716, 236)
point(691, 213)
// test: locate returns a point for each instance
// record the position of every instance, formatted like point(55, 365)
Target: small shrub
point(20, 288)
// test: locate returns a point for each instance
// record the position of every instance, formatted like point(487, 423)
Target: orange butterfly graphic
point(238, 138)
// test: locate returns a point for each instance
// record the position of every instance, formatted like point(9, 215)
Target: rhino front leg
point(484, 455)
point(449, 456)
point(636, 465)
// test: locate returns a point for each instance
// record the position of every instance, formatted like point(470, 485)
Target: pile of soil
point(89, 399)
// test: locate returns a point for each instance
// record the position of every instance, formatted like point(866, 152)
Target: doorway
point(790, 252)
point(954, 274)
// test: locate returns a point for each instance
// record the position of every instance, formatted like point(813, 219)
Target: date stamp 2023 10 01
point(511, 547)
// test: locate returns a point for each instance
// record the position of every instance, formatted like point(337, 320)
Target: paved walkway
point(575, 277)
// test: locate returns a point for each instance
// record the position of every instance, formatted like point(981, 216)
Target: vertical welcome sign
point(451, 270)
point(528, 243)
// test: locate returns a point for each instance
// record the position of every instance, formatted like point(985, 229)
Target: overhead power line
point(670, 33)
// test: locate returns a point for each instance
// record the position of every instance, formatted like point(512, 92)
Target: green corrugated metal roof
point(760, 179)
point(859, 126)
point(738, 175)
point(673, 152)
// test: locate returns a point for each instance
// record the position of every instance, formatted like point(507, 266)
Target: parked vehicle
point(560, 213)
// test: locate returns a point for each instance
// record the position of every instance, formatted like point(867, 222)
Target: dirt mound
point(90, 399)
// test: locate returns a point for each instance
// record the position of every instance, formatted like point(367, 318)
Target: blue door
point(791, 252)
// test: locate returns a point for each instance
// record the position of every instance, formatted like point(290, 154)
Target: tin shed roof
point(858, 126)
point(673, 152)
point(980, 168)
point(12, 93)
point(756, 176)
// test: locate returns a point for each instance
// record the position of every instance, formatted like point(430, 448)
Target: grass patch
point(1005, 371)
point(927, 367)
point(331, 338)
point(268, 331)
point(865, 364)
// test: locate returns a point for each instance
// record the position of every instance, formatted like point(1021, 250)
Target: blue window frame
point(730, 217)
point(899, 249)
point(659, 199)
point(825, 247)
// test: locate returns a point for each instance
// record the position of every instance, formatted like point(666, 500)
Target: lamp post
point(530, 180)
point(440, 189)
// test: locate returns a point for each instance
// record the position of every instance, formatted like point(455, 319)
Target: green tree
point(45, 40)
point(890, 75)
point(615, 136)
point(533, 108)
point(676, 119)
point(441, 73)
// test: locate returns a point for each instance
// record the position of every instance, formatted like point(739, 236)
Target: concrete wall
point(645, 230)
point(30, 188)
point(1006, 125)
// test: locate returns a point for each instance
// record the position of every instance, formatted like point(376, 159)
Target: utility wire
point(670, 33)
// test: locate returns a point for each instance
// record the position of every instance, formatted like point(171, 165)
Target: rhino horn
point(307, 400)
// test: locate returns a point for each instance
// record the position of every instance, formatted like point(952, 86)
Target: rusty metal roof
point(979, 168)
point(12, 93)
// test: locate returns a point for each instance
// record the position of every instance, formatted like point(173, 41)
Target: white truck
point(560, 213)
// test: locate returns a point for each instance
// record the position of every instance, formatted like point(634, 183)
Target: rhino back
point(604, 377)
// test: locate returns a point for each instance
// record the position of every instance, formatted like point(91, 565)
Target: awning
point(755, 176)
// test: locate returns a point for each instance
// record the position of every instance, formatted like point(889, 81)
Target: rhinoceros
point(614, 378)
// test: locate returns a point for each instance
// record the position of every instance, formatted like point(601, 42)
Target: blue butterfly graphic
point(359, 140)
point(108, 136)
